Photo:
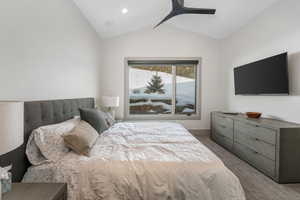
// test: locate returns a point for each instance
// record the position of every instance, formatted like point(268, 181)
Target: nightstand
point(37, 191)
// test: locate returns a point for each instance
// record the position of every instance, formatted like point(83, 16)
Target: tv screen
point(265, 77)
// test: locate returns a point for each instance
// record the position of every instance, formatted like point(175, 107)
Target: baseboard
point(200, 132)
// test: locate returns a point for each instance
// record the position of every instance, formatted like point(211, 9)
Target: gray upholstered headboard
point(40, 113)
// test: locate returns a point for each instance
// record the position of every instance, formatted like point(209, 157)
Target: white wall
point(47, 51)
point(276, 30)
point(165, 42)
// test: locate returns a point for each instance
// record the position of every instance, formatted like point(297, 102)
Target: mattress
point(143, 161)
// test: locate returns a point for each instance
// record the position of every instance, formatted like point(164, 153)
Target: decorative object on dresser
point(271, 146)
point(11, 132)
point(111, 103)
point(37, 191)
point(254, 115)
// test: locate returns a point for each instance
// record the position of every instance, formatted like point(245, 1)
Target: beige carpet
point(256, 185)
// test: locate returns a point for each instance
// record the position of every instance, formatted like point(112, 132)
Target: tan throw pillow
point(81, 139)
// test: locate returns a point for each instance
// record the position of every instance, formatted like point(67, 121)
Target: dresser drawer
point(224, 131)
point(224, 121)
point(256, 159)
point(257, 132)
point(266, 149)
point(223, 141)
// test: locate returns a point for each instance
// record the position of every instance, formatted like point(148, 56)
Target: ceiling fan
point(180, 9)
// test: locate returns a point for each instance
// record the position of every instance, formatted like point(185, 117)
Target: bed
point(142, 161)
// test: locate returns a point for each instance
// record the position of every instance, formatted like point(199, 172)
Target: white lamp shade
point(110, 101)
point(11, 126)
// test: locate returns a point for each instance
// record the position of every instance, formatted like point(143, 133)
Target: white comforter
point(143, 161)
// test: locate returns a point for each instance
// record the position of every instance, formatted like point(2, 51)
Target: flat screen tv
point(265, 77)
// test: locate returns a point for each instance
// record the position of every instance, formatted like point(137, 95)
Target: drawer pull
point(255, 152)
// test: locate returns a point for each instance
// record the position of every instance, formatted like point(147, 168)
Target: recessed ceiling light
point(124, 10)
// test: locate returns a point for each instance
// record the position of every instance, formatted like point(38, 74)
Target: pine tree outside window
point(162, 88)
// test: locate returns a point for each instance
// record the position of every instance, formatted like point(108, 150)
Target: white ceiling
point(108, 20)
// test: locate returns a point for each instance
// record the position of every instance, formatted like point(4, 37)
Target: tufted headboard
point(41, 113)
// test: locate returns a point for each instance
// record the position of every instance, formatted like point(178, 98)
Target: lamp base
point(112, 111)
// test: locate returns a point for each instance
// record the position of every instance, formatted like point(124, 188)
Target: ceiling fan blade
point(205, 11)
point(172, 14)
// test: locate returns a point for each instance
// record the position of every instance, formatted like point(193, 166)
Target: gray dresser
point(271, 146)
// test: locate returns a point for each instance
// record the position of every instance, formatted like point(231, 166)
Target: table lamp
point(11, 130)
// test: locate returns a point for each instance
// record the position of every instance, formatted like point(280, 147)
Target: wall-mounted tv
point(265, 77)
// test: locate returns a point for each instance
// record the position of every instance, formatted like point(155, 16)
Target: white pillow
point(49, 141)
point(33, 152)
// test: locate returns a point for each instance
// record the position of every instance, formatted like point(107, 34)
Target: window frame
point(172, 116)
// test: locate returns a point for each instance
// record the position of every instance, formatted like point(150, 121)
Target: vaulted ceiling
point(107, 18)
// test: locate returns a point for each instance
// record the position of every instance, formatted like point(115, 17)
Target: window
point(162, 89)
